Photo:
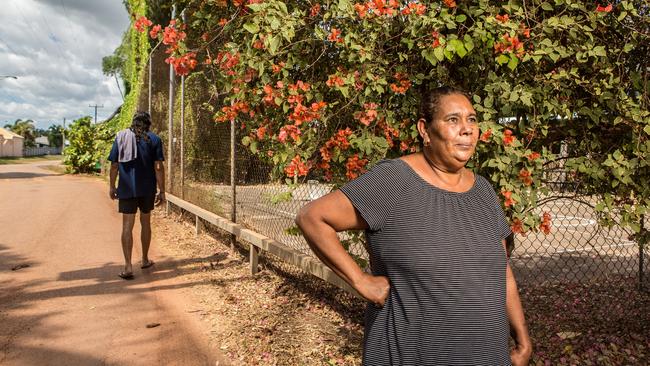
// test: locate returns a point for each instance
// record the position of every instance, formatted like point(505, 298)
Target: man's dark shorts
point(131, 205)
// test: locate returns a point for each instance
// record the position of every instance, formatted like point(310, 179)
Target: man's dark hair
point(140, 125)
point(430, 103)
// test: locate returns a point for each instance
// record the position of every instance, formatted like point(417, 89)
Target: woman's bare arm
point(319, 221)
point(518, 329)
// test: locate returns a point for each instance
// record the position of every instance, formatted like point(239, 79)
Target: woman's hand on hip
point(374, 288)
point(520, 355)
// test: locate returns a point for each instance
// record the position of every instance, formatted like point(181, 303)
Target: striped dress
point(443, 256)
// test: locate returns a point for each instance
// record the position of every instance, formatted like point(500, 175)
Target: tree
point(113, 65)
point(26, 129)
point(55, 135)
point(87, 142)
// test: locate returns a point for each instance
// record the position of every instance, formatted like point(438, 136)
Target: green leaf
point(461, 18)
point(253, 147)
point(514, 61)
point(246, 140)
point(459, 47)
point(252, 28)
point(547, 6)
point(274, 43)
point(344, 5)
point(646, 129)
point(502, 59)
point(439, 52)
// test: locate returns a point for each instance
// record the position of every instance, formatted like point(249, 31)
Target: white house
point(42, 141)
point(11, 144)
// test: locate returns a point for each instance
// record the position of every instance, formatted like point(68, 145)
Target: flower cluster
point(229, 113)
point(510, 44)
point(525, 176)
point(296, 167)
point(485, 136)
point(377, 7)
point(401, 85)
point(340, 141)
point(509, 201)
point(355, 166)
point(183, 64)
point(508, 138)
point(142, 23)
point(414, 8)
point(368, 116)
point(604, 9)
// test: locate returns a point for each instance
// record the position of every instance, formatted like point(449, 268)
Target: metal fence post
point(182, 158)
point(170, 126)
point(233, 186)
point(641, 239)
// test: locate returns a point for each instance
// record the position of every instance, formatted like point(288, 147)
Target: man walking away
point(137, 157)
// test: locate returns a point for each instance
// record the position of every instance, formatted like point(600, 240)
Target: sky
point(55, 49)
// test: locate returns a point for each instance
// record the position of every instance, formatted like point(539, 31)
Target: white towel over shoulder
point(127, 146)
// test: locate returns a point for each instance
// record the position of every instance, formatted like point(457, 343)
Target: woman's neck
point(448, 176)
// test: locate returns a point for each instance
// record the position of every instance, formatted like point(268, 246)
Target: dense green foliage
point(86, 145)
point(323, 90)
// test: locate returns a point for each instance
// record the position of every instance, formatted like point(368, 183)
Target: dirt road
point(67, 306)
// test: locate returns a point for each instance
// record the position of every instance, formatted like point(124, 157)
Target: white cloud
point(55, 47)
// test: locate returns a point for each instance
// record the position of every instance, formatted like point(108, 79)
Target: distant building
point(42, 141)
point(11, 144)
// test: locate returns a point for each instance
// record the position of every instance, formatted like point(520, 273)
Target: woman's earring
point(426, 142)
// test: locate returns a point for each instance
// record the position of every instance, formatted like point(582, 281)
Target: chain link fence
point(578, 249)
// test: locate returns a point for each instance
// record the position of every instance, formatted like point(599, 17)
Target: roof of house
point(43, 140)
point(8, 135)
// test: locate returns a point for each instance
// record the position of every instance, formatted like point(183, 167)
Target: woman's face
point(453, 133)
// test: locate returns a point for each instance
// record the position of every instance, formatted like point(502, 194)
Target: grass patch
point(28, 159)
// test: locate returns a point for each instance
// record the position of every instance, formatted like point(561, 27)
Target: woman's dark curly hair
point(430, 103)
point(140, 125)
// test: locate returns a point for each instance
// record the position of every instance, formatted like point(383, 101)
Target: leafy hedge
point(322, 90)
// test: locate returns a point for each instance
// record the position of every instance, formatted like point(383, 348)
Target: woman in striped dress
point(441, 291)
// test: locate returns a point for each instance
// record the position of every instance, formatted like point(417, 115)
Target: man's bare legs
point(128, 220)
point(145, 237)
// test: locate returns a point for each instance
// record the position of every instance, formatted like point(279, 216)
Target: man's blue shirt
point(137, 178)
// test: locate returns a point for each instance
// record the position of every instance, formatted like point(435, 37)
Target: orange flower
point(508, 138)
point(314, 10)
point(223, 22)
point(517, 226)
point(502, 18)
point(368, 116)
point(335, 80)
point(335, 36)
point(354, 166)
point(604, 9)
point(533, 156)
point(450, 3)
point(153, 33)
point(362, 10)
point(404, 84)
point(485, 136)
point(509, 201)
point(416, 8)
point(142, 23)
point(525, 177)
point(296, 168)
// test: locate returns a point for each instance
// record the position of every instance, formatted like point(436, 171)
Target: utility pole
point(96, 106)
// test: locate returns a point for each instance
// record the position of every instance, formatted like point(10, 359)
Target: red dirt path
point(68, 307)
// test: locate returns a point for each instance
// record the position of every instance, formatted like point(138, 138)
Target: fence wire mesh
point(578, 249)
